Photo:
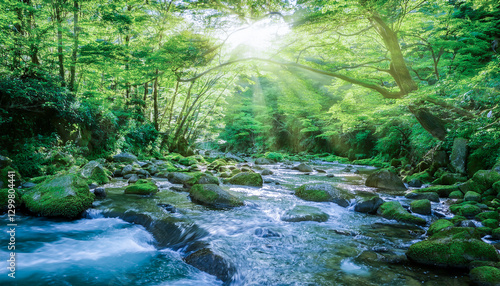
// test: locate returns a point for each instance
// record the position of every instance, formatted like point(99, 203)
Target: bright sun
point(258, 36)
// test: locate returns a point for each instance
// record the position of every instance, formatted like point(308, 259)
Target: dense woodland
point(357, 79)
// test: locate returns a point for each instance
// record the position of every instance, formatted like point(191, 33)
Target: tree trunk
point(155, 102)
point(75, 46)
point(398, 69)
point(60, 55)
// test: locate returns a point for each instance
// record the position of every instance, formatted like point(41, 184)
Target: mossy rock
point(213, 196)
point(142, 187)
point(394, 210)
point(421, 207)
point(484, 231)
point(449, 179)
point(467, 210)
point(4, 173)
point(442, 190)
point(324, 192)
point(457, 219)
point(423, 177)
point(449, 252)
point(490, 222)
point(472, 196)
point(496, 234)
point(487, 215)
point(496, 187)
point(235, 172)
point(217, 164)
point(439, 225)
point(61, 196)
point(188, 161)
point(40, 179)
point(305, 213)
point(456, 195)
point(174, 157)
point(95, 172)
point(485, 179)
point(485, 276)
point(457, 233)
point(431, 196)
point(247, 179)
point(385, 179)
point(201, 178)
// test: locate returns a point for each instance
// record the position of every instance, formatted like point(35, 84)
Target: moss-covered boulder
point(217, 164)
point(484, 179)
point(247, 179)
point(207, 261)
point(472, 196)
point(188, 161)
point(201, 178)
point(431, 196)
point(95, 172)
point(441, 190)
point(124, 157)
point(485, 276)
point(451, 252)
point(490, 222)
point(487, 215)
point(394, 210)
point(422, 177)
point(61, 196)
point(324, 192)
point(213, 196)
point(465, 209)
point(385, 179)
point(142, 187)
point(4, 176)
point(449, 179)
point(179, 178)
point(368, 204)
point(439, 225)
point(421, 207)
point(456, 195)
point(305, 213)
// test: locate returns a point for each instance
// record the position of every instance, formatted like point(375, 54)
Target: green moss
point(142, 187)
point(485, 179)
point(496, 187)
point(330, 158)
point(423, 177)
point(485, 275)
point(448, 252)
point(277, 157)
point(235, 171)
point(469, 210)
point(496, 233)
point(4, 199)
point(201, 178)
point(170, 167)
point(215, 165)
point(201, 194)
point(394, 210)
point(247, 179)
point(312, 195)
point(457, 233)
point(189, 161)
point(174, 157)
point(490, 222)
point(484, 230)
point(456, 195)
point(66, 195)
point(439, 225)
point(487, 215)
point(456, 220)
point(40, 179)
point(421, 206)
point(441, 190)
point(472, 196)
point(213, 196)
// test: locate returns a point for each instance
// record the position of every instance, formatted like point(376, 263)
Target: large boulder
point(303, 168)
point(95, 172)
point(305, 213)
point(442, 190)
point(247, 179)
point(394, 210)
point(124, 157)
point(324, 192)
point(458, 157)
point(142, 187)
point(385, 179)
point(431, 196)
point(262, 161)
point(421, 207)
point(213, 196)
point(368, 204)
point(202, 178)
point(62, 196)
point(451, 252)
point(439, 225)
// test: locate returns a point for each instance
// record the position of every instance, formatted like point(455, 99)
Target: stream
point(103, 249)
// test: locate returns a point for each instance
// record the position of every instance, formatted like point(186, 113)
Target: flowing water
point(349, 249)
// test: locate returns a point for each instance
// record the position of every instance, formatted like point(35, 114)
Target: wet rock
point(231, 156)
point(128, 176)
point(487, 215)
point(127, 170)
point(324, 192)
point(467, 223)
point(94, 171)
point(211, 263)
point(266, 172)
point(305, 213)
point(142, 187)
point(456, 195)
point(415, 183)
point(201, 178)
point(485, 276)
point(458, 157)
point(100, 193)
point(394, 210)
point(169, 208)
point(303, 168)
point(213, 196)
point(133, 178)
point(442, 191)
point(28, 185)
point(179, 189)
point(247, 179)
point(368, 205)
point(266, 233)
point(472, 196)
point(439, 225)
point(421, 207)
point(124, 157)
point(61, 196)
point(431, 196)
point(179, 178)
point(262, 161)
point(143, 173)
point(385, 180)
point(319, 170)
point(330, 175)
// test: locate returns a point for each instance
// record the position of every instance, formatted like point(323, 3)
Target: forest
point(268, 142)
